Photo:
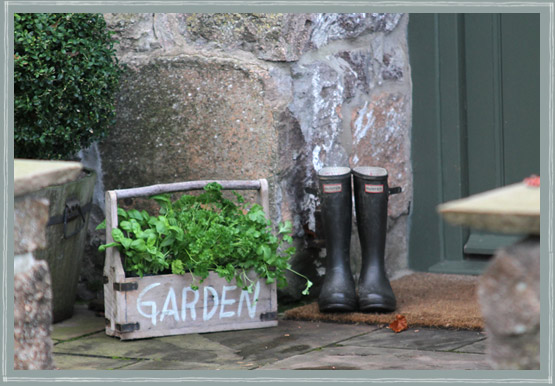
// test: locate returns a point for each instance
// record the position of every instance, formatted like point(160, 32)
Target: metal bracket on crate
point(268, 316)
point(129, 327)
point(123, 287)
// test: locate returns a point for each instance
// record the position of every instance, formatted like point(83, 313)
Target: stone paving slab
point(378, 358)
point(80, 362)
point(83, 322)
point(288, 338)
point(192, 349)
point(290, 345)
point(427, 339)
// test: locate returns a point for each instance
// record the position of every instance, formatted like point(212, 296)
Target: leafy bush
point(65, 77)
point(199, 234)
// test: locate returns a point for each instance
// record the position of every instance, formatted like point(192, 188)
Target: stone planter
point(32, 285)
point(160, 305)
point(65, 238)
point(509, 289)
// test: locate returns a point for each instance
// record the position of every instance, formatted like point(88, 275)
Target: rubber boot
point(338, 293)
point(371, 197)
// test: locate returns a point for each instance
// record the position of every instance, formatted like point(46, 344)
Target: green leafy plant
point(199, 234)
point(65, 76)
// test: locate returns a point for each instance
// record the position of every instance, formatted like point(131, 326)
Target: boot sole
point(336, 308)
point(378, 308)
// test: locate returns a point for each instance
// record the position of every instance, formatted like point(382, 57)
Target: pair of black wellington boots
point(338, 293)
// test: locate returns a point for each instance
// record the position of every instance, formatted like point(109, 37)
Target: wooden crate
point(160, 305)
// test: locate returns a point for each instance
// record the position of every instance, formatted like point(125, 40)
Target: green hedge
point(65, 78)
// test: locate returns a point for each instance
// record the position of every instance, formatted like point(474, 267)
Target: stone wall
point(276, 96)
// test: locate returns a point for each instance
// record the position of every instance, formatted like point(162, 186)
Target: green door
point(475, 125)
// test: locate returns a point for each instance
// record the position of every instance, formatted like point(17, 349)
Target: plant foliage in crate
point(200, 234)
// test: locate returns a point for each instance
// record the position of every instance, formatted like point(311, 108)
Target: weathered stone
point(358, 71)
point(217, 116)
point(143, 32)
point(30, 218)
point(199, 83)
point(270, 36)
point(336, 26)
point(393, 67)
point(381, 137)
point(33, 318)
point(509, 294)
point(318, 98)
point(32, 282)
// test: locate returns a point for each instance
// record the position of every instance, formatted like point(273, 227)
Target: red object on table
point(533, 180)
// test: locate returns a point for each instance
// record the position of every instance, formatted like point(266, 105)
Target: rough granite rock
point(30, 218)
point(337, 26)
point(33, 318)
point(142, 32)
point(509, 294)
point(381, 137)
point(279, 37)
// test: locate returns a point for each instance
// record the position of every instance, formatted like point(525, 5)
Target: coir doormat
point(424, 299)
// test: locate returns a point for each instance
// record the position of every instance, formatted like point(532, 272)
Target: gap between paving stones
point(458, 349)
point(59, 341)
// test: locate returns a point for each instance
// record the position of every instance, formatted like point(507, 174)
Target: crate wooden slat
point(162, 305)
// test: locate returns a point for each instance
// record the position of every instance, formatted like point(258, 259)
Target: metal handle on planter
point(73, 206)
point(72, 210)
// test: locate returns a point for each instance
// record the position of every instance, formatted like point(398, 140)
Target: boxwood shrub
point(65, 77)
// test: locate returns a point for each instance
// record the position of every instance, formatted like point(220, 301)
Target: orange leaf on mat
point(399, 324)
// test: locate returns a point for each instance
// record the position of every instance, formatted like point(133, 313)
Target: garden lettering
point(222, 305)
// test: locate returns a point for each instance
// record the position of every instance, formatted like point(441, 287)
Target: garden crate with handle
point(160, 305)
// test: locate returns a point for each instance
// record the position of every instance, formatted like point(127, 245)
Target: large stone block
point(33, 318)
point(193, 116)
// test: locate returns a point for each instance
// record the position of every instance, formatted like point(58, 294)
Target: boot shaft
point(338, 293)
point(371, 198)
point(336, 209)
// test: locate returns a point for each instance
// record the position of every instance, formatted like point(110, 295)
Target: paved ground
point(81, 344)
